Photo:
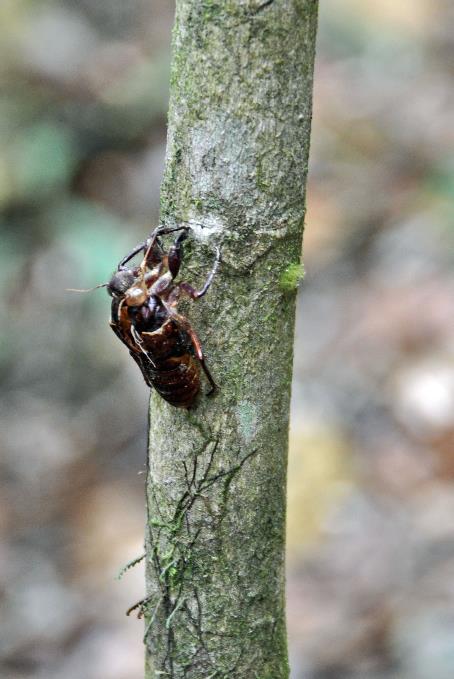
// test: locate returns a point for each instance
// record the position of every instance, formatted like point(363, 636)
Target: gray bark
point(238, 142)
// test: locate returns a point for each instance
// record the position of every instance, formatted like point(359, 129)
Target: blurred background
point(83, 103)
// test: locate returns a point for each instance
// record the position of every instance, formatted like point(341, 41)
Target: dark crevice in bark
point(263, 6)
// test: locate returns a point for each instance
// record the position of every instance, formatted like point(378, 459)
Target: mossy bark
point(238, 142)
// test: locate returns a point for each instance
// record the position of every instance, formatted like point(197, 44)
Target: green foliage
point(291, 277)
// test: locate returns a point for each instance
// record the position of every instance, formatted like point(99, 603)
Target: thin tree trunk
point(238, 142)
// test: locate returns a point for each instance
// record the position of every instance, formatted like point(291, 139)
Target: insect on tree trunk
point(237, 152)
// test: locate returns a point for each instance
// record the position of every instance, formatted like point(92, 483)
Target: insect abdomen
point(172, 371)
point(179, 384)
point(164, 358)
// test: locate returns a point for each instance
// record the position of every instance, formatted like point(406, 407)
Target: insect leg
point(135, 251)
point(196, 294)
point(176, 253)
point(144, 246)
point(184, 323)
point(148, 244)
point(164, 230)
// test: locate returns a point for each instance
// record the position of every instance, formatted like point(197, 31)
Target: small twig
point(152, 619)
point(130, 565)
point(139, 604)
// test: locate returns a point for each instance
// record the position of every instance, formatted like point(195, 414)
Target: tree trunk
point(238, 141)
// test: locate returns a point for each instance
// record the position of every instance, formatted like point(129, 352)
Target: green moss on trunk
point(239, 126)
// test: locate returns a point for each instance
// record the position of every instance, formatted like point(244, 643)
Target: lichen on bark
point(237, 151)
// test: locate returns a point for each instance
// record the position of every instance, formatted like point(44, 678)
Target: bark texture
point(238, 141)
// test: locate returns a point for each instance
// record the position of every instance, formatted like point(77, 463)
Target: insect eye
point(135, 297)
point(120, 282)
